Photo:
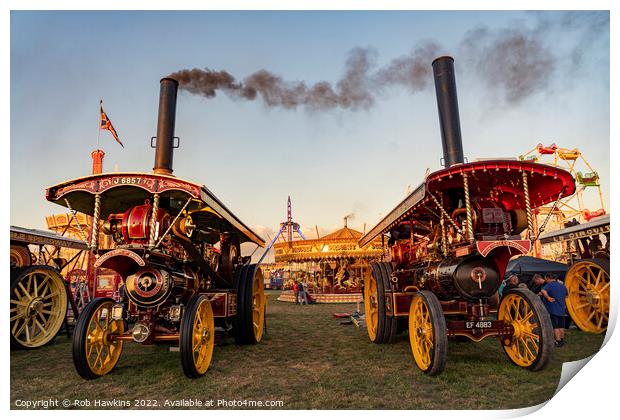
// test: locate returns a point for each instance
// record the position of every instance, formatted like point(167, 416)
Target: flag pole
point(99, 123)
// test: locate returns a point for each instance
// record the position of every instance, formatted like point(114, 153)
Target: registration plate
point(479, 325)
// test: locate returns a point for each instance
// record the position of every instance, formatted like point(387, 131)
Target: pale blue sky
point(331, 163)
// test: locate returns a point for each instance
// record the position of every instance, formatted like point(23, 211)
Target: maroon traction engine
point(449, 244)
point(178, 286)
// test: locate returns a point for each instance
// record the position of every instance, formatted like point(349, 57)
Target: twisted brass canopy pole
point(153, 220)
point(470, 225)
point(95, 228)
point(528, 208)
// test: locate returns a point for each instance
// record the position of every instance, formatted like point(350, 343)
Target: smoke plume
point(513, 63)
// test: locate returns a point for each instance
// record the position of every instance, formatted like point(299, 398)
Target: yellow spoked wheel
point(94, 354)
point(249, 323)
point(532, 341)
point(38, 305)
point(258, 305)
point(371, 307)
point(383, 327)
point(427, 333)
point(197, 337)
point(588, 294)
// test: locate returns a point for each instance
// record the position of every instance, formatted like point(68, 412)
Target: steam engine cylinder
point(133, 226)
point(472, 278)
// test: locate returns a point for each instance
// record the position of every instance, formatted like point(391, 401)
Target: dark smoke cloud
point(353, 90)
point(513, 63)
point(411, 71)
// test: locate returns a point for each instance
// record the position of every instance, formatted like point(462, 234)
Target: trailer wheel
point(381, 328)
point(427, 333)
point(38, 305)
point(93, 354)
point(532, 342)
point(249, 322)
point(197, 337)
point(587, 282)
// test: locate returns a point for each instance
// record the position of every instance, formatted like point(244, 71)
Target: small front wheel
point(94, 355)
point(197, 337)
point(427, 333)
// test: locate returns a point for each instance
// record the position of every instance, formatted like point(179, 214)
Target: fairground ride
point(586, 204)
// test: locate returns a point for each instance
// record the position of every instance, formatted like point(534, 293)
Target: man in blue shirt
point(554, 297)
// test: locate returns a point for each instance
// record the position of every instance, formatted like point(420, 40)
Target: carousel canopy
point(341, 244)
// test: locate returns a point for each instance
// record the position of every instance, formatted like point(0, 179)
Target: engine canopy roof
point(503, 178)
point(120, 191)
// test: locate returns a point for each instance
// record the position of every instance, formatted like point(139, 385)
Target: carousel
point(332, 266)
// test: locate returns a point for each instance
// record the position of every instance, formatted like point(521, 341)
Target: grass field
point(308, 361)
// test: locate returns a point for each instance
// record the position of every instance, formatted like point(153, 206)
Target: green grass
point(308, 361)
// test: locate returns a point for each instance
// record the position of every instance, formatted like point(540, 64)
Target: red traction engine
point(177, 249)
point(449, 244)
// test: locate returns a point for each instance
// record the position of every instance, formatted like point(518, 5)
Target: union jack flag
point(106, 124)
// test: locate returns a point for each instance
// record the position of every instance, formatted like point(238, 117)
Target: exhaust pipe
point(448, 107)
point(165, 126)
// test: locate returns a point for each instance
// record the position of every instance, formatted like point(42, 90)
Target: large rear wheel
point(427, 333)
point(371, 307)
point(38, 305)
point(381, 327)
point(588, 294)
point(197, 337)
point(249, 322)
point(532, 341)
point(94, 355)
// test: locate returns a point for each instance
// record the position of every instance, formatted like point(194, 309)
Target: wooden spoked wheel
point(258, 305)
point(427, 333)
point(249, 323)
point(588, 294)
point(532, 341)
point(371, 307)
point(197, 337)
point(94, 355)
point(385, 326)
point(38, 305)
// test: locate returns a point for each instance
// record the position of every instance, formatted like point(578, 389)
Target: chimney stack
point(448, 107)
point(165, 126)
point(97, 156)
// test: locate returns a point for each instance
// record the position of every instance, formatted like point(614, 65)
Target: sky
point(522, 79)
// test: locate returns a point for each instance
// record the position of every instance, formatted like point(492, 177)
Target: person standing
point(296, 291)
point(537, 284)
point(302, 293)
point(554, 297)
point(304, 284)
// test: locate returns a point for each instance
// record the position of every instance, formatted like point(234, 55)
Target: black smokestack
point(165, 126)
point(448, 106)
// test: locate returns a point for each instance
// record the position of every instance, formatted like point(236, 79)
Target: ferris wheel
point(588, 183)
point(587, 202)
